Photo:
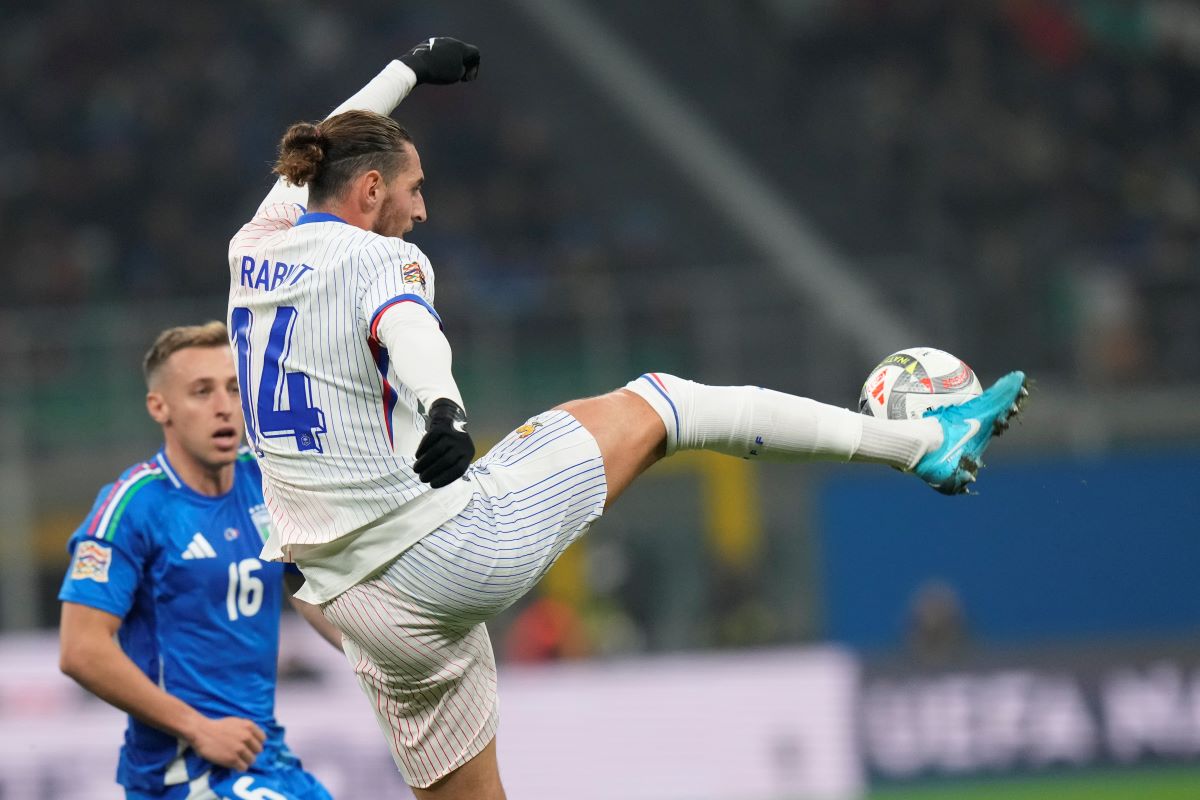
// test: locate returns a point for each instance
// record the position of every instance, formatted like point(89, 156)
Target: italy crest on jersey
point(262, 520)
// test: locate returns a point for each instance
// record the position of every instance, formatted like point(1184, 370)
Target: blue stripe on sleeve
point(666, 397)
point(403, 298)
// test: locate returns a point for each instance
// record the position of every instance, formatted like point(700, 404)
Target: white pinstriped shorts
point(415, 634)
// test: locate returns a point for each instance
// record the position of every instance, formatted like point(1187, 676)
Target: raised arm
point(437, 60)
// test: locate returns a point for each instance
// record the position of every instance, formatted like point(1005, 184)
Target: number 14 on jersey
point(263, 402)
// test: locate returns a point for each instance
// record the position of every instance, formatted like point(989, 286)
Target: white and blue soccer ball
point(909, 382)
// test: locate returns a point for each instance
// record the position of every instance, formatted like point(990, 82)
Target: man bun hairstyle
point(301, 153)
point(327, 155)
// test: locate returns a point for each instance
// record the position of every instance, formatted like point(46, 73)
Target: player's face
point(198, 404)
point(403, 205)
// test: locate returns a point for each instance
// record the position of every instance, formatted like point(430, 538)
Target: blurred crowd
point(138, 137)
point(988, 160)
point(1041, 158)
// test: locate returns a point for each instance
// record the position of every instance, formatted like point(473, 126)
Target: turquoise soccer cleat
point(967, 429)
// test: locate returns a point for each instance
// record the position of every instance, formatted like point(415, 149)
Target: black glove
point(442, 60)
point(446, 450)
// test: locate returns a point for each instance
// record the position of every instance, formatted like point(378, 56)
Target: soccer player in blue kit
point(167, 561)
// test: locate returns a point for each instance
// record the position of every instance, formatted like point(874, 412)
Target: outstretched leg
point(555, 471)
point(659, 414)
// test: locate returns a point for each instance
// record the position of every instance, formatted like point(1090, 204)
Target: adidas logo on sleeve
point(199, 548)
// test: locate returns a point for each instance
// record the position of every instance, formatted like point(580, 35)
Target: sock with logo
point(751, 422)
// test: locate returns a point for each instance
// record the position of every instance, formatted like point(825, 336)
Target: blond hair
point(172, 340)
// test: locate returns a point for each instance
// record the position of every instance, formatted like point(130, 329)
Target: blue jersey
point(199, 610)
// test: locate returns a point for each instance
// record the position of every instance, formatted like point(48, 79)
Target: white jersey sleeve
point(397, 307)
point(283, 200)
point(273, 216)
point(394, 271)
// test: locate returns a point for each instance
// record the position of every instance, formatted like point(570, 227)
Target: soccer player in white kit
point(360, 430)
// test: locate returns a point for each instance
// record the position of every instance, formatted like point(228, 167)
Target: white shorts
point(415, 635)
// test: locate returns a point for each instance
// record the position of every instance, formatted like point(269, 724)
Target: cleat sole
point(1014, 411)
point(965, 471)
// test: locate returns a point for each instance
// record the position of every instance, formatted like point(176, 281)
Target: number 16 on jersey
point(263, 403)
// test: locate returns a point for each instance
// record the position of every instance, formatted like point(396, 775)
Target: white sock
point(750, 422)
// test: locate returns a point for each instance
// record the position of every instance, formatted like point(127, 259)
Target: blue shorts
point(284, 779)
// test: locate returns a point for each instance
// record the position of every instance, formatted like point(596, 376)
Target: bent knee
point(629, 432)
point(621, 419)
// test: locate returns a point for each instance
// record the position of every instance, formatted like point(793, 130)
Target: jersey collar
point(178, 483)
point(319, 216)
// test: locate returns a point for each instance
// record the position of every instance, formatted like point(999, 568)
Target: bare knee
point(630, 434)
point(620, 420)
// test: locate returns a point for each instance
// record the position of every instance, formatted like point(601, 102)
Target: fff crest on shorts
point(527, 429)
point(411, 273)
point(91, 563)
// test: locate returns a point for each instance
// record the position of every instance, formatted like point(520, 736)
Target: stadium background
point(775, 192)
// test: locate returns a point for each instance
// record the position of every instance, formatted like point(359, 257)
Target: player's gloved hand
point(446, 451)
point(443, 60)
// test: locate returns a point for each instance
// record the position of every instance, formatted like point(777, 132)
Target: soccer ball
point(909, 382)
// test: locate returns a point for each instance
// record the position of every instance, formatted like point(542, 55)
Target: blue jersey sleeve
point(108, 555)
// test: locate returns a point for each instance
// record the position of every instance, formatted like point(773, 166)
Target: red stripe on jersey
point(139, 472)
point(379, 314)
point(389, 398)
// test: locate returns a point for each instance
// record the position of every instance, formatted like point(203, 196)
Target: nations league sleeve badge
point(411, 273)
point(91, 562)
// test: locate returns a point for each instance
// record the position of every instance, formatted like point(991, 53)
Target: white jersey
point(334, 431)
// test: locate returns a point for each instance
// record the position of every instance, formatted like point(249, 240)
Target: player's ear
point(156, 407)
point(371, 190)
